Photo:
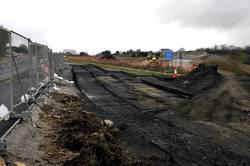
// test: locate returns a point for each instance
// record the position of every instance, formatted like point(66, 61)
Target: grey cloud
point(218, 14)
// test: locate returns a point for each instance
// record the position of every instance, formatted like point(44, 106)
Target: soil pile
point(87, 136)
point(229, 63)
point(226, 103)
point(108, 57)
point(198, 80)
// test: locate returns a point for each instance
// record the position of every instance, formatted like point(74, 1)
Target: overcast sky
point(96, 25)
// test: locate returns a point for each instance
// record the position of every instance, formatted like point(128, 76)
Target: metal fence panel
point(45, 63)
point(51, 65)
point(33, 72)
point(5, 69)
point(22, 64)
point(24, 68)
point(59, 61)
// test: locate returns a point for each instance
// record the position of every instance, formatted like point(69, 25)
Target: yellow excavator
point(153, 60)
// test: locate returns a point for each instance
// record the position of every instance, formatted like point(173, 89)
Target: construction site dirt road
point(201, 118)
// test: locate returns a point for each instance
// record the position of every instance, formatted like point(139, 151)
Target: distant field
point(125, 69)
point(128, 63)
point(234, 63)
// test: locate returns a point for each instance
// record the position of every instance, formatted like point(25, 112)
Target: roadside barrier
point(25, 68)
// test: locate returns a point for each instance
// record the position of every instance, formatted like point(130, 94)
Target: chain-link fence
point(25, 67)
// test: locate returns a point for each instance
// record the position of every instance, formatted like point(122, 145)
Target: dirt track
point(150, 126)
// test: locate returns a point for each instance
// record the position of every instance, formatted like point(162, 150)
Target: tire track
point(144, 131)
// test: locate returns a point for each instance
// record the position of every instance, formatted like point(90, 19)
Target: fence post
point(31, 63)
point(11, 73)
point(37, 79)
point(50, 64)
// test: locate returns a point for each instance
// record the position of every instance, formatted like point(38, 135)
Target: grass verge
point(125, 69)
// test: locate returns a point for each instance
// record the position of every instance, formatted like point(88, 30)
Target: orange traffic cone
point(194, 66)
point(175, 73)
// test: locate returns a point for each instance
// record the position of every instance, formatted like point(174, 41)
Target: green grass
point(240, 57)
point(125, 69)
point(244, 58)
point(234, 68)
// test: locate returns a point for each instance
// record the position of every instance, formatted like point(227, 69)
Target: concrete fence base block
point(23, 115)
point(3, 146)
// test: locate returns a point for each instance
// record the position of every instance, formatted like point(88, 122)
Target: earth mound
point(89, 137)
point(108, 57)
point(200, 79)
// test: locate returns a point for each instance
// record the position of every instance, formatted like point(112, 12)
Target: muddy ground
point(199, 119)
point(66, 133)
